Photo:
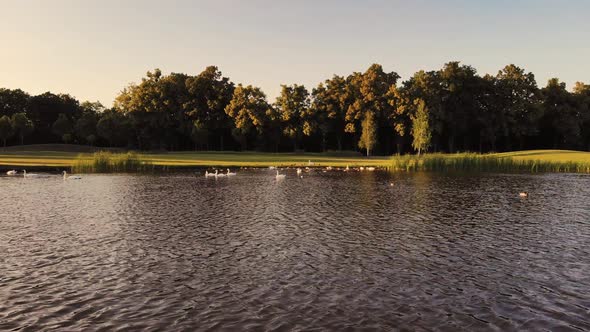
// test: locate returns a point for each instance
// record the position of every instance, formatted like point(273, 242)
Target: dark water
point(331, 251)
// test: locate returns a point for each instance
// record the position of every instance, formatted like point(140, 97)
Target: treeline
point(451, 109)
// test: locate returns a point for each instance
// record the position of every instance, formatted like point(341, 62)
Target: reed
point(472, 162)
point(107, 162)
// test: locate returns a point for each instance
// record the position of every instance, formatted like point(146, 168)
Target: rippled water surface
point(330, 251)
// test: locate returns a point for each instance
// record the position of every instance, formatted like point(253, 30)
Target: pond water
point(329, 251)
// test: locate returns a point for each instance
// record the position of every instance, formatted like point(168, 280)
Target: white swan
point(217, 174)
point(71, 177)
point(299, 170)
point(230, 173)
point(280, 176)
point(33, 175)
point(13, 172)
point(347, 168)
point(370, 169)
point(208, 175)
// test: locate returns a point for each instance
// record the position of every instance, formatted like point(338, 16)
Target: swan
point(370, 169)
point(299, 170)
point(329, 168)
point(362, 168)
point(32, 175)
point(13, 172)
point(347, 168)
point(280, 176)
point(230, 173)
point(71, 177)
point(207, 174)
point(272, 167)
point(523, 194)
point(217, 174)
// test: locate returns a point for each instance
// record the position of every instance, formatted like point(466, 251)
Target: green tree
point(199, 134)
point(62, 127)
point(293, 105)
point(368, 138)
point(22, 126)
point(114, 127)
point(208, 95)
point(421, 133)
point(249, 111)
point(6, 130)
point(85, 127)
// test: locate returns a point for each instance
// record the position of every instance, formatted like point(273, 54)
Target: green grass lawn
point(36, 156)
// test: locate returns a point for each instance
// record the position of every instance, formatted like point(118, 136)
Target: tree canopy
point(449, 109)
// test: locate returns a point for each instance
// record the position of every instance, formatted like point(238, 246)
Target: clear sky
point(92, 49)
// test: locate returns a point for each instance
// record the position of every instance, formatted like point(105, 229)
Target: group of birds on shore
point(37, 176)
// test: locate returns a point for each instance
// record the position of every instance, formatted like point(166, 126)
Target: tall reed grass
point(472, 162)
point(107, 162)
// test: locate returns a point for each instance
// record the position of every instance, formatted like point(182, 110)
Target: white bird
point(71, 177)
point(329, 168)
point(32, 175)
point(523, 194)
point(362, 168)
point(13, 172)
point(347, 168)
point(217, 174)
point(207, 174)
point(370, 169)
point(299, 170)
point(280, 176)
point(272, 167)
point(230, 173)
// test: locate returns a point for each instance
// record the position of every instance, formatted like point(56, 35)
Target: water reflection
point(329, 250)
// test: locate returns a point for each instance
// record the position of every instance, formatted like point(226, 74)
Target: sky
point(93, 49)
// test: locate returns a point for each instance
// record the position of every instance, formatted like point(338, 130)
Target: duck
point(523, 194)
point(71, 177)
point(279, 176)
point(13, 172)
point(230, 173)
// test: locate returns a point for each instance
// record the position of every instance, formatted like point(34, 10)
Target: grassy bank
point(107, 162)
point(519, 161)
point(522, 161)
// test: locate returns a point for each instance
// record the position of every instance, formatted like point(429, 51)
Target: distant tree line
point(451, 109)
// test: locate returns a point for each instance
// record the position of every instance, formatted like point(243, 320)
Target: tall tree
point(62, 127)
point(519, 101)
point(209, 94)
point(6, 130)
point(293, 104)
point(22, 126)
point(249, 111)
point(368, 138)
point(420, 127)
